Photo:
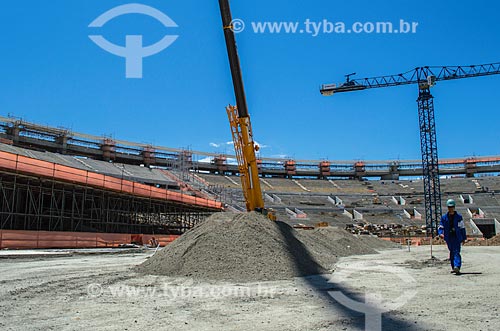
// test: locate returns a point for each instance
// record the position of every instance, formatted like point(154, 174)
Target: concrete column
point(108, 148)
point(290, 168)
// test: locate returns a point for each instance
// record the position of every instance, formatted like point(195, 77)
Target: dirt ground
point(100, 292)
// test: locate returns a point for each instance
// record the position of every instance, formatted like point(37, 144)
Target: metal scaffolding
point(32, 203)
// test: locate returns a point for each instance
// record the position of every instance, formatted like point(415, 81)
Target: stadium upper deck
point(33, 136)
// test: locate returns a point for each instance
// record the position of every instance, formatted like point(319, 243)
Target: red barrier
point(23, 164)
point(19, 239)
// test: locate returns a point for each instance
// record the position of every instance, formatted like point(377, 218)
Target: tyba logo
point(133, 51)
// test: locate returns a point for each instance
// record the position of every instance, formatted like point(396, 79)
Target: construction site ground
point(55, 291)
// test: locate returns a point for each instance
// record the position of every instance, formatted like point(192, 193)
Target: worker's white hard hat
point(450, 203)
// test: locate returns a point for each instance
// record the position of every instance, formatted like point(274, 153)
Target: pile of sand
point(249, 247)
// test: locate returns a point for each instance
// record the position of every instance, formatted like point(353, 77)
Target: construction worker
point(153, 242)
point(452, 230)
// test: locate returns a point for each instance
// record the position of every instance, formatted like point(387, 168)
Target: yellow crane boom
point(244, 146)
point(239, 121)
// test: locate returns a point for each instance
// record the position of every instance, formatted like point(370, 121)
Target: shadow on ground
point(321, 284)
point(469, 273)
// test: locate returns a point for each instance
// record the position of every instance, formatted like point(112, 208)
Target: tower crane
point(426, 78)
point(241, 127)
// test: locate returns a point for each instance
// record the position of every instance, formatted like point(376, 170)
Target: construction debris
point(495, 241)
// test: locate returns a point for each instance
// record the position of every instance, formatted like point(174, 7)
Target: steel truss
point(430, 161)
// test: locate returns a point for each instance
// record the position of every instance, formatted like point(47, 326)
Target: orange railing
point(26, 165)
point(474, 159)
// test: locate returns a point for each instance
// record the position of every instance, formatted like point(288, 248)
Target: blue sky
point(53, 74)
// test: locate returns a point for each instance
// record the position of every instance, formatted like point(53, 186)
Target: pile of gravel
point(248, 247)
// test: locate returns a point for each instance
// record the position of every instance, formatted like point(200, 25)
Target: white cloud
point(208, 159)
point(260, 145)
point(232, 161)
point(280, 156)
point(231, 143)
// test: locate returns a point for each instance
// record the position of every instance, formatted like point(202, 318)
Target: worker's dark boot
point(456, 271)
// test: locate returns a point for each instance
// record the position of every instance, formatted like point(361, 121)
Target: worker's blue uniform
point(454, 235)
